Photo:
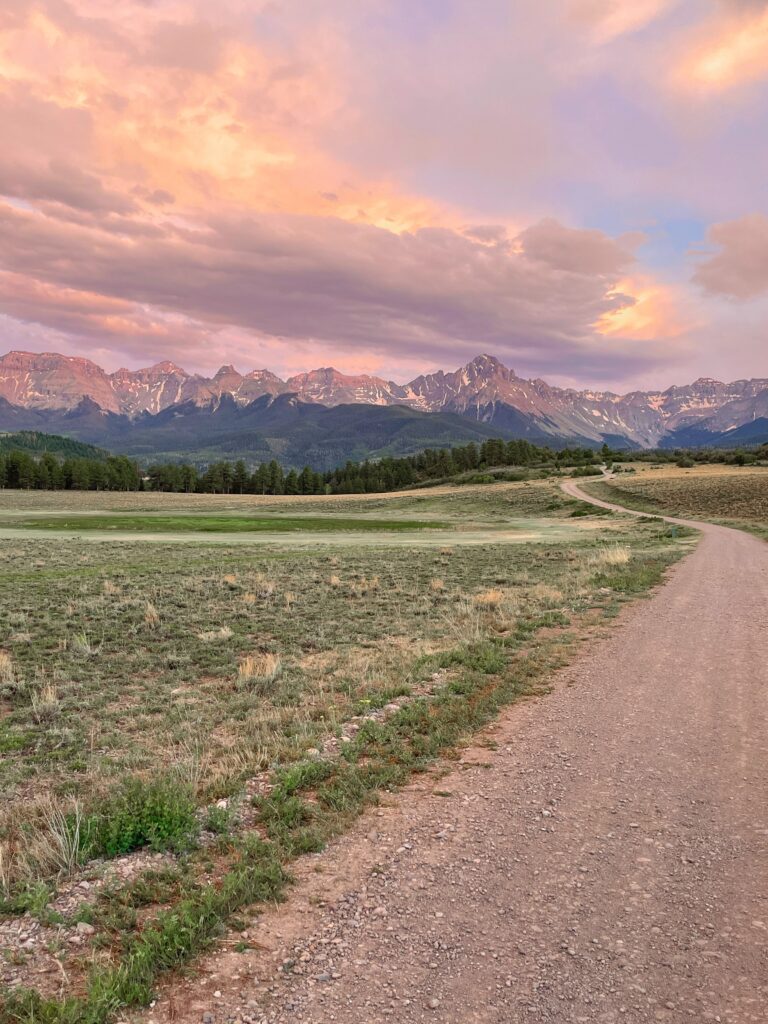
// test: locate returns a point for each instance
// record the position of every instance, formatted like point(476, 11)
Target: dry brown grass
point(212, 636)
point(708, 492)
point(46, 705)
point(546, 596)
point(466, 623)
point(7, 670)
point(42, 840)
point(612, 555)
point(489, 598)
point(258, 669)
point(151, 616)
point(264, 587)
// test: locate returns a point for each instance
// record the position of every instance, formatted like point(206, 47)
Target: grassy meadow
point(179, 722)
point(730, 495)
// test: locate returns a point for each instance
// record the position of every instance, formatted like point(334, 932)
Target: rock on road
point(606, 862)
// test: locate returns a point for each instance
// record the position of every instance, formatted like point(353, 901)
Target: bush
point(159, 813)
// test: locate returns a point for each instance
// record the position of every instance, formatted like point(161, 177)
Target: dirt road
point(607, 861)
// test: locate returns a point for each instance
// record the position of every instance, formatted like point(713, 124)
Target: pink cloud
point(337, 179)
point(740, 268)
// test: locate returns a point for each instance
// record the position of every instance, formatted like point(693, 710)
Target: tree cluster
point(48, 473)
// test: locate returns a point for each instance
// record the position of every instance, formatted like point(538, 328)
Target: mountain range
point(325, 415)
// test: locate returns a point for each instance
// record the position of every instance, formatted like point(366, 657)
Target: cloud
point(740, 269)
point(348, 285)
point(386, 182)
point(61, 182)
point(730, 50)
point(659, 312)
point(609, 19)
point(578, 251)
point(194, 46)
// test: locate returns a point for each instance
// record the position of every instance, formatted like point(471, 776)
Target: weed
point(81, 644)
point(159, 813)
point(220, 819)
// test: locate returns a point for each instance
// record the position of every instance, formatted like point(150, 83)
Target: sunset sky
point(579, 187)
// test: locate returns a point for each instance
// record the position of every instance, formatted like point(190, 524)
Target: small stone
point(84, 928)
point(433, 1004)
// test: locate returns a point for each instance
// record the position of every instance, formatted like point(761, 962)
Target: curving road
point(608, 861)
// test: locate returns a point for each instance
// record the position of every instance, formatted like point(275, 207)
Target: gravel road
point(606, 861)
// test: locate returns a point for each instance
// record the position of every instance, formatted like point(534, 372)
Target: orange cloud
point(734, 51)
point(654, 312)
point(203, 113)
point(609, 19)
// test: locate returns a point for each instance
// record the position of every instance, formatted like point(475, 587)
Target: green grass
point(221, 524)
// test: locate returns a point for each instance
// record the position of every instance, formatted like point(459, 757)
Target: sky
point(388, 186)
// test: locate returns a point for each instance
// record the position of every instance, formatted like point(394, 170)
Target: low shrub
point(158, 813)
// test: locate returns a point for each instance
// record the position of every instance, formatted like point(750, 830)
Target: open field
point(157, 523)
point(732, 496)
point(504, 513)
point(472, 501)
point(179, 723)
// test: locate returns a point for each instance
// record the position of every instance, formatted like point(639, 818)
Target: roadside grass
point(266, 696)
point(732, 496)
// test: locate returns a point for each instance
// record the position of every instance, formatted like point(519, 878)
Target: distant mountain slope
point(484, 391)
point(35, 443)
point(752, 433)
point(294, 432)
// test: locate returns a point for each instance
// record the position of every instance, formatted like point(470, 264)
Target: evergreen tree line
point(46, 472)
point(385, 474)
point(20, 469)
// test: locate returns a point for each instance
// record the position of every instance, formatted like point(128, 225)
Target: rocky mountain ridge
point(484, 390)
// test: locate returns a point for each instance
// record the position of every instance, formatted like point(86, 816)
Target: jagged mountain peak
point(486, 364)
point(227, 370)
point(484, 389)
point(166, 366)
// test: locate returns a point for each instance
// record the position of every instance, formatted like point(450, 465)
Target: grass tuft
point(258, 670)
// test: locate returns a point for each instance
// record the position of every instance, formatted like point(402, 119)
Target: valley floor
point(599, 856)
point(213, 717)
